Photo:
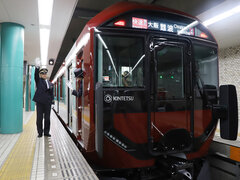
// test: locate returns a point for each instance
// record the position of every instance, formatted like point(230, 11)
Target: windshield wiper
point(108, 52)
point(135, 65)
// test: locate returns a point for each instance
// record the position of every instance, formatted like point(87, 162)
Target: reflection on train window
point(120, 61)
point(206, 68)
point(170, 84)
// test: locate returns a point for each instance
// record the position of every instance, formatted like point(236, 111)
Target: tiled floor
point(218, 138)
point(7, 141)
point(18, 164)
point(24, 156)
point(71, 164)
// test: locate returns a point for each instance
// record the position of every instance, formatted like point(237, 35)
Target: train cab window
point(170, 81)
point(120, 61)
point(206, 65)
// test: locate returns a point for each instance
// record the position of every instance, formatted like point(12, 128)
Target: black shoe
point(48, 135)
point(40, 135)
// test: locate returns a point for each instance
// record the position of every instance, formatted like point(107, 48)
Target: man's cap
point(79, 73)
point(126, 74)
point(43, 71)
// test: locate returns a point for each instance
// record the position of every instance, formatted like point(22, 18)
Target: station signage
point(139, 23)
point(160, 26)
point(109, 98)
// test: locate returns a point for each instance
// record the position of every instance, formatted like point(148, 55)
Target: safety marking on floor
point(38, 162)
point(7, 142)
point(235, 153)
point(71, 161)
point(20, 160)
point(51, 163)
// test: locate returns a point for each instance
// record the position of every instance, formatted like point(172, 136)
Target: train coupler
point(176, 168)
point(184, 168)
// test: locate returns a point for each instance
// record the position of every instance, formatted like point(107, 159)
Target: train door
point(170, 86)
point(70, 98)
point(80, 102)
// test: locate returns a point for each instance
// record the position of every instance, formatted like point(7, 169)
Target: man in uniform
point(79, 75)
point(44, 98)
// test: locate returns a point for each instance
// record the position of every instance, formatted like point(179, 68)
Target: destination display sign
point(162, 23)
point(160, 26)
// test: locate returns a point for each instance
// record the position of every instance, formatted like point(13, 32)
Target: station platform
point(224, 158)
point(226, 148)
point(24, 156)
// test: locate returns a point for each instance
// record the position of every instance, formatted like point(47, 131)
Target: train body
point(151, 87)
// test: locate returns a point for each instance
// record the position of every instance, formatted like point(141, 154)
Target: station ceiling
point(70, 16)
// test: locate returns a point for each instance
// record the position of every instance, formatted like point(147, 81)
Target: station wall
point(229, 69)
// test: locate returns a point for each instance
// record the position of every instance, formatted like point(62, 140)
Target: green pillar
point(63, 90)
point(55, 90)
point(11, 77)
point(27, 91)
point(59, 90)
point(32, 88)
point(55, 96)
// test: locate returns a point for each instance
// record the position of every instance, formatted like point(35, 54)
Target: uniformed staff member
point(79, 75)
point(44, 98)
point(126, 79)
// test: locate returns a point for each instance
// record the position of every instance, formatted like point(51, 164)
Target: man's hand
point(37, 62)
point(69, 84)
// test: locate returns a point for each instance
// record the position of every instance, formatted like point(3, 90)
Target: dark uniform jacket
point(43, 94)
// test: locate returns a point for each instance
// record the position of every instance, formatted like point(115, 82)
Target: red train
point(151, 96)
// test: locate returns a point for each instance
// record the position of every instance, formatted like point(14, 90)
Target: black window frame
point(184, 76)
point(125, 33)
point(205, 44)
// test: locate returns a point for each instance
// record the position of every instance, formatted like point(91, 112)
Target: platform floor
point(218, 138)
point(24, 156)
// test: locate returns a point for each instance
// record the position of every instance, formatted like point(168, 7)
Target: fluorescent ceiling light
point(45, 12)
point(44, 41)
point(45, 17)
point(222, 16)
point(185, 29)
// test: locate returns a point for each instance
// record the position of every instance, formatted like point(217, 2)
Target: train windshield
point(170, 81)
point(120, 61)
point(206, 62)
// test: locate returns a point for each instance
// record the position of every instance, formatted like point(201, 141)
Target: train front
point(156, 89)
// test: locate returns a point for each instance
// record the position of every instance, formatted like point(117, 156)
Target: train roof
point(123, 7)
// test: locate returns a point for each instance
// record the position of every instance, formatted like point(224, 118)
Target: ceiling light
point(45, 16)
point(45, 12)
point(44, 41)
point(188, 27)
point(222, 16)
point(51, 61)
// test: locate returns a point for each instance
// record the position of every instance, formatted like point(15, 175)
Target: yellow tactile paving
point(18, 165)
point(235, 153)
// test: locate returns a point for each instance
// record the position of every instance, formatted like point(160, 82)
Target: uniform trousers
point(43, 110)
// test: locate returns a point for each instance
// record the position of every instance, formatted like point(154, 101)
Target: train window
point(170, 81)
point(206, 66)
point(120, 61)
